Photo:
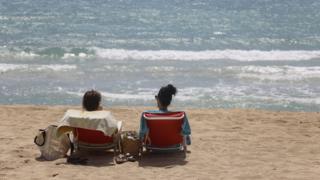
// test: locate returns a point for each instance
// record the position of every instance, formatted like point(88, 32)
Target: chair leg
point(117, 141)
point(115, 151)
point(184, 145)
point(119, 146)
point(140, 152)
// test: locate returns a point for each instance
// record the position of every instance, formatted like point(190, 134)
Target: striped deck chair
point(165, 131)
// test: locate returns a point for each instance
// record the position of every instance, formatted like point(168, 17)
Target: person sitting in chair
point(163, 99)
point(92, 127)
point(91, 101)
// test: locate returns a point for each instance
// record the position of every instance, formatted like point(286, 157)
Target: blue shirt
point(144, 128)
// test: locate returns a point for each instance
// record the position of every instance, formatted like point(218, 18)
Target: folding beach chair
point(165, 131)
point(96, 140)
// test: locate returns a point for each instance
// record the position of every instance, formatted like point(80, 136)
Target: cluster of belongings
point(99, 130)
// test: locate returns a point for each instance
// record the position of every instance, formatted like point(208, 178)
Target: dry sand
point(226, 144)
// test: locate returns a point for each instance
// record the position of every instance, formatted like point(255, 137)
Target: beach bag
point(51, 146)
point(130, 143)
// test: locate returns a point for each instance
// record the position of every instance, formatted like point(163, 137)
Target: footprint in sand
point(281, 121)
point(7, 168)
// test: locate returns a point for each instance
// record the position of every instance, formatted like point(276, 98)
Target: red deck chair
point(165, 131)
point(96, 140)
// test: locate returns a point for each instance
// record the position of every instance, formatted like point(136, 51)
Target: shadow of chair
point(163, 159)
point(97, 158)
point(93, 158)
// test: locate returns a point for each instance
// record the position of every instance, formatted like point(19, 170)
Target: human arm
point(143, 128)
point(186, 130)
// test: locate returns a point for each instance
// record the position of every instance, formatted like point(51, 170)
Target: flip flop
point(131, 159)
point(121, 159)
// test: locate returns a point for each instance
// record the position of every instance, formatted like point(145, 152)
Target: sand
point(226, 144)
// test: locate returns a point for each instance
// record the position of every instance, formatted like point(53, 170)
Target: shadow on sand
point(88, 158)
point(106, 158)
point(166, 160)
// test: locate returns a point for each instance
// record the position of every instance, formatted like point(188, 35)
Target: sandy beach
point(226, 144)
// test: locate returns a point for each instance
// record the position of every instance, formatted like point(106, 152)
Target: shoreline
point(154, 107)
point(226, 144)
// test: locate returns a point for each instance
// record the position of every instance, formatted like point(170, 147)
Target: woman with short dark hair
point(91, 101)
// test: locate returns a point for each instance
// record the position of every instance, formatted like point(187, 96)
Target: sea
point(260, 54)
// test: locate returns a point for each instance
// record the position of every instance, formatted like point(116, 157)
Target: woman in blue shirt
point(164, 99)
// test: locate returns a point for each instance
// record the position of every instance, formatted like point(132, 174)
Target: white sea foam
point(216, 94)
point(218, 33)
point(126, 96)
point(117, 96)
point(277, 72)
point(285, 100)
point(72, 55)
point(12, 67)
point(35, 67)
point(239, 55)
point(124, 54)
point(146, 94)
point(55, 67)
point(5, 53)
point(22, 54)
point(161, 69)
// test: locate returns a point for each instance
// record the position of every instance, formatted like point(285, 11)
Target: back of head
point(165, 94)
point(91, 100)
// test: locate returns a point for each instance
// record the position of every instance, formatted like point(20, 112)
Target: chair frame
point(115, 144)
point(146, 141)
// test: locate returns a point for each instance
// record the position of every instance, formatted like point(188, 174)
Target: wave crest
point(35, 67)
point(154, 55)
point(238, 55)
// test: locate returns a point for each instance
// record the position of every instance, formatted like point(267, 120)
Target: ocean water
point(262, 54)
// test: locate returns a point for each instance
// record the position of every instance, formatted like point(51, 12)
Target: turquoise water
point(220, 53)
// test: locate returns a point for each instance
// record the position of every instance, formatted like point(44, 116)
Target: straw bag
point(51, 146)
point(130, 143)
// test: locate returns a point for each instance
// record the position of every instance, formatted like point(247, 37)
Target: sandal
point(130, 157)
point(121, 159)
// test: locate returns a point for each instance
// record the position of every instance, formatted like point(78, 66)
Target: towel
point(95, 120)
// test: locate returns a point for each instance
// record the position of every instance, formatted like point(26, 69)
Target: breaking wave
point(154, 55)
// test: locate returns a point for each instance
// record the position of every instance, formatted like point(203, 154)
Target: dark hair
point(91, 100)
point(165, 94)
